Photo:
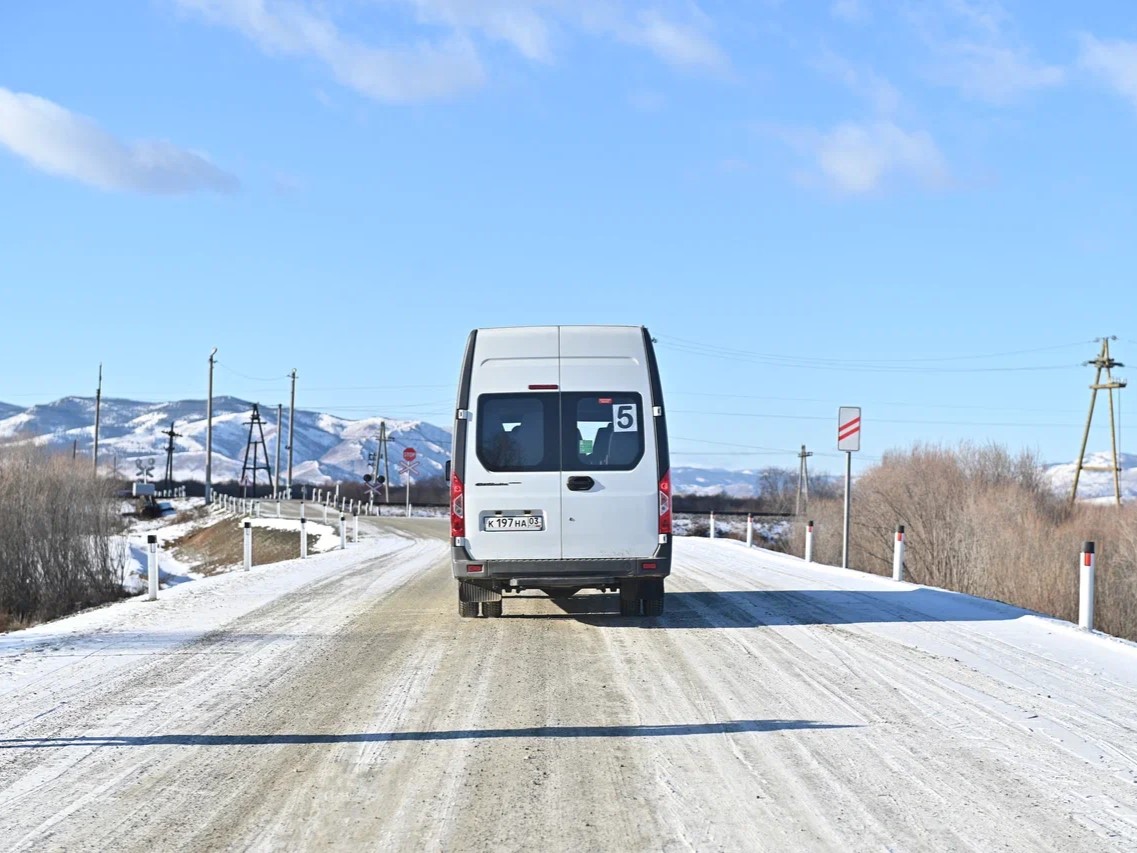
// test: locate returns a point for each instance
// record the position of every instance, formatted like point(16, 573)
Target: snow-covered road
point(341, 703)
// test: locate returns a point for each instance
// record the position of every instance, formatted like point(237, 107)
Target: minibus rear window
point(519, 432)
point(603, 431)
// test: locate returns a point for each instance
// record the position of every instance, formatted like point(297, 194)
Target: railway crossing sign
point(408, 468)
point(145, 468)
point(849, 428)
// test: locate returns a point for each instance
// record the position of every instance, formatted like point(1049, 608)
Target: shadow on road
point(763, 608)
point(735, 727)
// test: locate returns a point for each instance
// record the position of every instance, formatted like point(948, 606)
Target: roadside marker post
point(303, 538)
point(343, 531)
point(248, 545)
point(712, 524)
point(749, 531)
point(1086, 587)
point(809, 542)
point(848, 440)
point(152, 564)
point(898, 554)
point(355, 530)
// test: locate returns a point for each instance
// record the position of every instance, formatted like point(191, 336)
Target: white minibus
point(560, 478)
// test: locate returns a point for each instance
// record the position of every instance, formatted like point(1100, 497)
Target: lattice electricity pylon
point(256, 447)
point(168, 479)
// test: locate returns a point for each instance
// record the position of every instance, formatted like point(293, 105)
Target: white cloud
point(516, 22)
point(1114, 61)
point(862, 158)
point(674, 43)
point(528, 25)
point(997, 73)
point(849, 11)
point(424, 71)
point(862, 82)
point(975, 49)
point(60, 142)
point(444, 61)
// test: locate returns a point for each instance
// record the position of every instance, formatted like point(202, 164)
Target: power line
point(839, 364)
point(833, 403)
point(843, 360)
point(229, 369)
point(1031, 425)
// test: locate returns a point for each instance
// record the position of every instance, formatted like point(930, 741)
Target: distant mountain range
point(330, 449)
point(326, 448)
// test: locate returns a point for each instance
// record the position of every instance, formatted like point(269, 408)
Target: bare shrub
point(56, 548)
point(982, 521)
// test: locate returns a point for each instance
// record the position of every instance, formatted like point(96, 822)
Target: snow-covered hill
point(330, 449)
point(325, 448)
point(1096, 485)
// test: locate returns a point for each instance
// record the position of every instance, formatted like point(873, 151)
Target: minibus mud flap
point(468, 592)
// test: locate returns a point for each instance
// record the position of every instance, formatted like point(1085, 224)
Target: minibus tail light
point(457, 507)
point(665, 503)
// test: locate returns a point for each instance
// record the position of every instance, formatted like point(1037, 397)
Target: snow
point(107, 636)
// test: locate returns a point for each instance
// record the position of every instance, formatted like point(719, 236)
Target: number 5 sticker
point(624, 417)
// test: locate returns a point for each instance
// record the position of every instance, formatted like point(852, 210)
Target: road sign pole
point(848, 440)
point(848, 507)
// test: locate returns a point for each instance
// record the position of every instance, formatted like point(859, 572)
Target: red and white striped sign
point(849, 428)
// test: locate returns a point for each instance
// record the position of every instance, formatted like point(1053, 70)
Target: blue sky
point(922, 208)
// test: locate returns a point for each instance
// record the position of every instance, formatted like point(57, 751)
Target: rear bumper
point(582, 573)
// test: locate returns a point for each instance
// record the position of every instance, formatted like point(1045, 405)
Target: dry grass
point(983, 522)
point(222, 545)
point(56, 537)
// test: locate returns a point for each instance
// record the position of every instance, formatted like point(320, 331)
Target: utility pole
point(169, 475)
point(98, 408)
point(1106, 363)
point(800, 505)
point(276, 479)
point(386, 462)
point(209, 435)
point(291, 425)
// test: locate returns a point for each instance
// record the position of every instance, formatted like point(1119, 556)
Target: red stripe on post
point(1087, 559)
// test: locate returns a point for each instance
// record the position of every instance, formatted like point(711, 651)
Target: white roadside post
point(343, 531)
point(303, 538)
point(749, 531)
point(1086, 588)
point(325, 512)
point(278, 507)
point(152, 564)
point(712, 524)
point(302, 507)
point(898, 554)
point(848, 440)
point(248, 545)
point(809, 542)
point(355, 522)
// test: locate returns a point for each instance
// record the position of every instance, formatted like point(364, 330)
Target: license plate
point(496, 523)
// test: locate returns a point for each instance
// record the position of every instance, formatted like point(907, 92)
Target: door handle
point(580, 484)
